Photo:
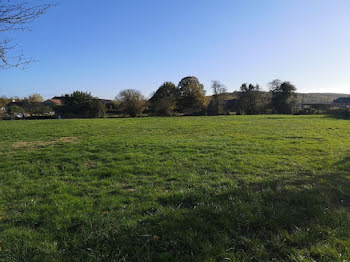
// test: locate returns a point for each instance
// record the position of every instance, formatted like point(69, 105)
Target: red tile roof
point(56, 101)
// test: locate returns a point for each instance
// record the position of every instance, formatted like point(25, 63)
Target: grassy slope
point(306, 98)
point(244, 188)
point(318, 98)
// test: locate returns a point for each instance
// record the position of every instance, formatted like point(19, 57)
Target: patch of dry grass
point(38, 144)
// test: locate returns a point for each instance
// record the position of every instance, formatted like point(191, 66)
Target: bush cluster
point(81, 104)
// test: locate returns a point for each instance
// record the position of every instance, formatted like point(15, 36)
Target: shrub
point(132, 102)
point(81, 104)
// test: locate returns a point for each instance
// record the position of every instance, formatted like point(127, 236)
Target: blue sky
point(107, 46)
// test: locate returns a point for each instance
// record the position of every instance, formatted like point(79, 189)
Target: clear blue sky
point(106, 46)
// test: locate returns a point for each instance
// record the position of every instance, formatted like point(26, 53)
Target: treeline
point(186, 98)
point(189, 98)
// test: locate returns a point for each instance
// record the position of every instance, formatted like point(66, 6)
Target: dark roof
point(342, 100)
point(106, 101)
point(315, 104)
point(24, 104)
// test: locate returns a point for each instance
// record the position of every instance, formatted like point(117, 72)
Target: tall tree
point(216, 105)
point(249, 100)
point(16, 16)
point(283, 96)
point(164, 100)
point(192, 96)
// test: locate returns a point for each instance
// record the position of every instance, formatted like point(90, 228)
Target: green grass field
point(224, 188)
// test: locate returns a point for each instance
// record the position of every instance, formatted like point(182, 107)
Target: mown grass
point(228, 188)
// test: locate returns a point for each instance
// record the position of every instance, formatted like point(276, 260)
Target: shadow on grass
point(291, 219)
point(344, 164)
point(340, 114)
point(276, 220)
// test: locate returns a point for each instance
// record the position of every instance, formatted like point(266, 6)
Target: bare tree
point(16, 16)
point(216, 105)
point(218, 88)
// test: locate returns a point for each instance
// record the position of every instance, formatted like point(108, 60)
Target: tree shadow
point(301, 217)
point(344, 164)
point(278, 220)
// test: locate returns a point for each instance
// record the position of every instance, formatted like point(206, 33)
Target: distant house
point(57, 100)
point(342, 102)
point(14, 103)
point(53, 102)
point(106, 102)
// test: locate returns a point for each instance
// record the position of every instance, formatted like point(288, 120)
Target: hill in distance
point(306, 98)
point(319, 98)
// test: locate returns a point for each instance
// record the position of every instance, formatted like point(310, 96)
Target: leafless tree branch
point(16, 16)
